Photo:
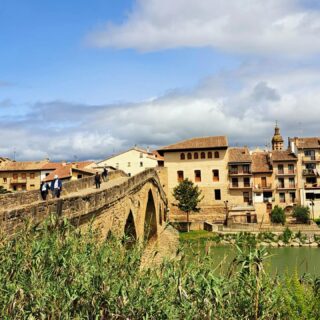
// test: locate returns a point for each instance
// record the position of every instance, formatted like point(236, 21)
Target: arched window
point(189, 156)
point(209, 155)
point(203, 155)
point(182, 156)
point(196, 155)
point(216, 155)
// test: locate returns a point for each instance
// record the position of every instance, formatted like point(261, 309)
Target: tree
point(188, 197)
point(3, 190)
point(301, 213)
point(278, 215)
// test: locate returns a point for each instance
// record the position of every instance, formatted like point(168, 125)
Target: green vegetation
point(287, 235)
point(278, 215)
point(302, 214)
point(317, 221)
point(56, 272)
point(188, 196)
point(3, 190)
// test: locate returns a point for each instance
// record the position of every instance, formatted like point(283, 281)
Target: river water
point(281, 261)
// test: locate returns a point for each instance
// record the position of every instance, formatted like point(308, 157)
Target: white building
point(132, 161)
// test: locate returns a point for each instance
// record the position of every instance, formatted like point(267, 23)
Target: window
point(189, 156)
point(117, 165)
point(47, 174)
point(79, 176)
point(182, 156)
point(196, 155)
point(290, 168)
point(281, 183)
point(282, 197)
point(31, 175)
point(234, 169)
point(246, 182)
point(310, 166)
point(215, 175)
point(292, 196)
point(129, 174)
point(280, 168)
point(246, 168)
point(4, 180)
point(217, 194)
point(246, 197)
point(141, 164)
point(309, 196)
point(203, 155)
point(31, 186)
point(23, 176)
point(141, 155)
point(291, 183)
point(264, 182)
point(216, 155)
point(235, 182)
point(129, 164)
point(310, 153)
point(311, 180)
point(15, 176)
point(197, 175)
point(180, 176)
point(209, 155)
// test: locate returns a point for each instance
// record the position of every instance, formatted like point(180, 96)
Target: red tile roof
point(239, 155)
point(65, 172)
point(261, 162)
point(307, 143)
point(22, 166)
point(284, 155)
point(197, 143)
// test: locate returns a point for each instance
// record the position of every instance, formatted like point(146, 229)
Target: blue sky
point(87, 78)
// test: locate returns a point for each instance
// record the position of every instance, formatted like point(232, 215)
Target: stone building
point(132, 161)
point(307, 151)
point(203, 161)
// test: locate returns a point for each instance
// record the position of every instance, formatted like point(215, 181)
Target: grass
point(195, 235)
point(55, 272)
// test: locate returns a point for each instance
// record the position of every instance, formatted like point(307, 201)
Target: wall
point(25, 198)
point(109, 207)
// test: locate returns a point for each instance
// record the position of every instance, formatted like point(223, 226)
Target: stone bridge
point(132, 206)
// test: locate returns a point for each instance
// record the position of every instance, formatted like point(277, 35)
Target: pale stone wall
point(108, 208)
point(131, 162)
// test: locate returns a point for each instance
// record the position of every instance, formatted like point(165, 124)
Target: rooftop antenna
point(14, 154)
point(300, 128)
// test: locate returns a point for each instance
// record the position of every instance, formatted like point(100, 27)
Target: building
point(307, 151)
point(132, 161)
point(71, 171)
point(3, 160)
point(203, 161)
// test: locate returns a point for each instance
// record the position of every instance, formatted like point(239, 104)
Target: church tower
point(277, 140)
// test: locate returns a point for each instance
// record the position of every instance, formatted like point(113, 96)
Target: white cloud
point(244, 107)
point(246, 26)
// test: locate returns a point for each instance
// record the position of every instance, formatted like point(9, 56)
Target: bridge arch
point(130, 230)
point(150, 219)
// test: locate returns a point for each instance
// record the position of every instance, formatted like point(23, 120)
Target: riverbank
point(287, 238)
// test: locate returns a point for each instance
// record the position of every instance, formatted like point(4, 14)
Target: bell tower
point(277, 140)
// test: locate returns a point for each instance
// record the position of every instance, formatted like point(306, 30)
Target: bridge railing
point(28, 197)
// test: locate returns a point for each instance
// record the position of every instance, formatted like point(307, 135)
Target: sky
point(86, 79)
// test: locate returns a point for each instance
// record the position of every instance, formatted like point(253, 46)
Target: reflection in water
point(282, 260)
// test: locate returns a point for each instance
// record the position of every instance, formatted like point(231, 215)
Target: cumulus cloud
point(244, 107)
point(248, 26)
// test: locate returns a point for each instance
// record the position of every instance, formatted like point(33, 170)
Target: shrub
point(278, 215)
point(287, 235)
point(317, 221)
point(301, 213)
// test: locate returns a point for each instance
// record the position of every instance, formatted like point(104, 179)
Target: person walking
point(105, 174)
point(44, 190)
point(56, 187)
point(97, 180)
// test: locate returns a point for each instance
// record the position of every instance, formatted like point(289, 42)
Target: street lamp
point(227, 212)
point(312, 206)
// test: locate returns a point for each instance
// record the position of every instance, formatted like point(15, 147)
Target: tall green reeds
point(55, 272)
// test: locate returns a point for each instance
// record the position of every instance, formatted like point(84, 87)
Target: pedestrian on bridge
point(56, 187)
point(105, 174)
point(97, 180)
point(44, 189)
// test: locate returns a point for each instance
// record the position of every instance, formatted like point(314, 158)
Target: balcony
point(309, 172)
point(267, 186)
point(286, 173)
point(312, 186)
point(289, 186)
point(310, 159)
point(240, 186)
point(240, 172)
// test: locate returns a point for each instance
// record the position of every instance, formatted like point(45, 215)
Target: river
point(281, 261)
